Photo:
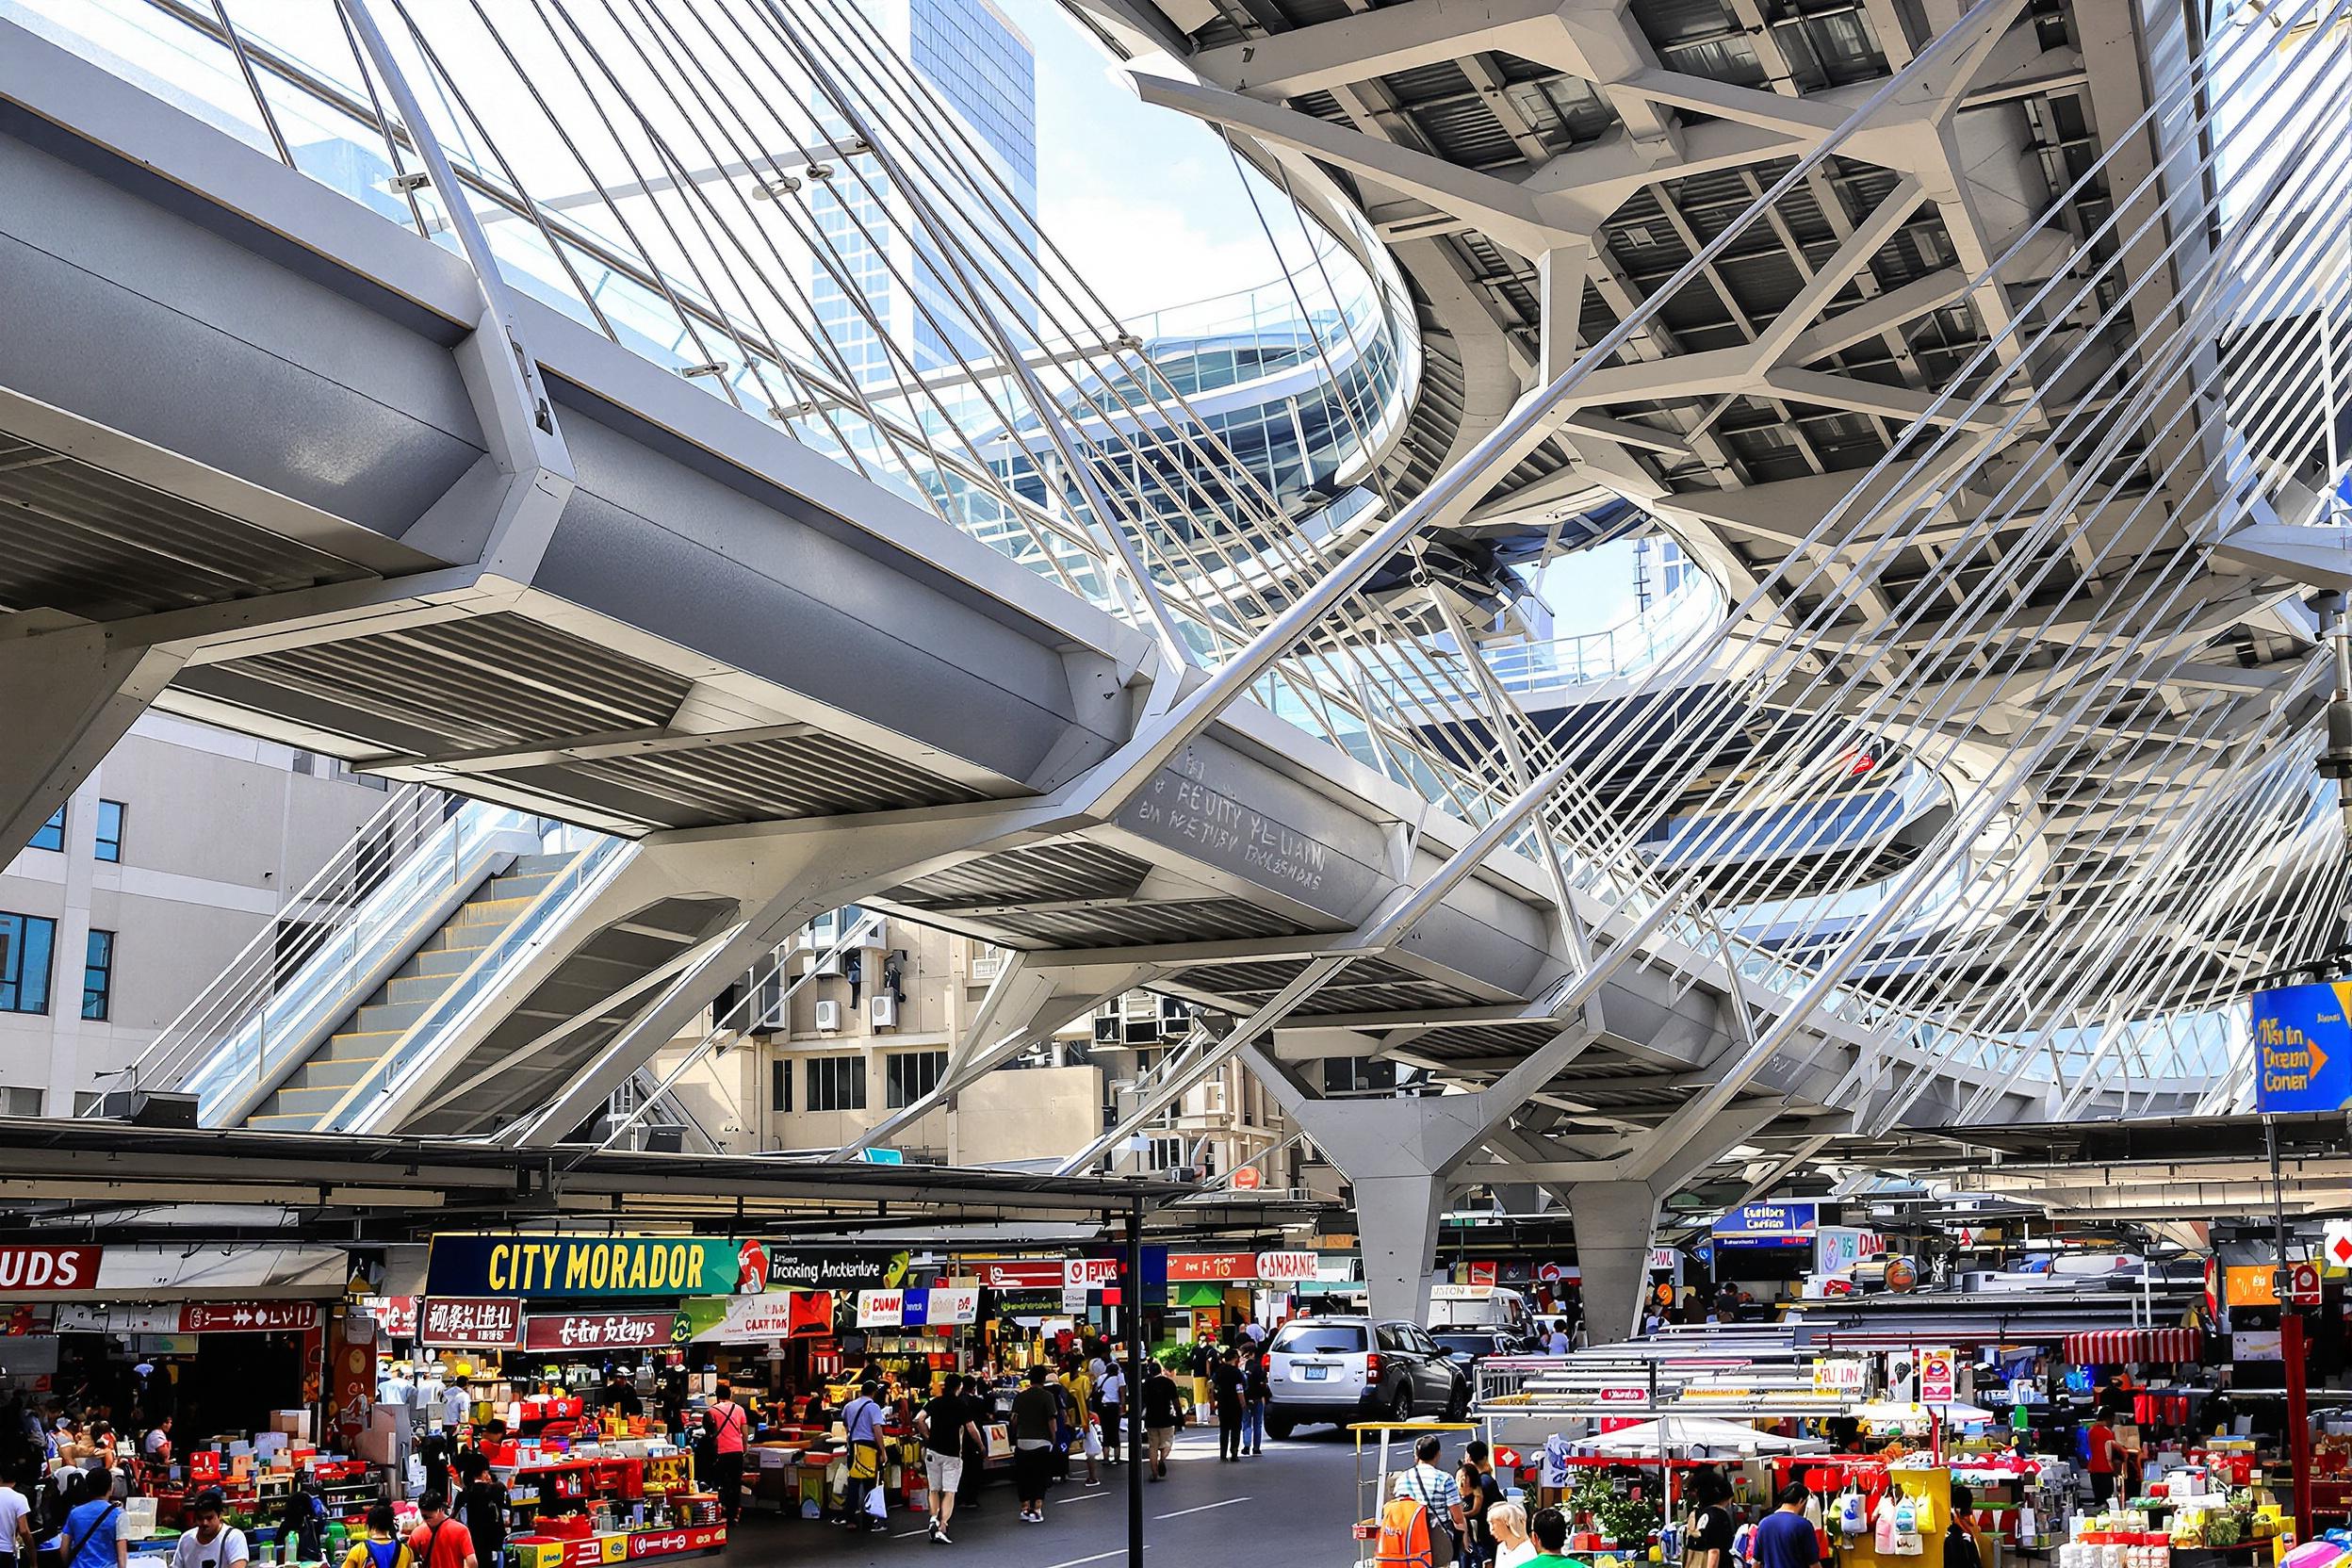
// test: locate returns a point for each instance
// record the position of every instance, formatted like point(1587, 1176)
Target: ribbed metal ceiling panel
point(90, 542)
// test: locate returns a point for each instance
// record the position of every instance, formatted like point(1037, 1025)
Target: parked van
point(1496, 1307)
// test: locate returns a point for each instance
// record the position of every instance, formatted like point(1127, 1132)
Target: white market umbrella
point(1678, 1433)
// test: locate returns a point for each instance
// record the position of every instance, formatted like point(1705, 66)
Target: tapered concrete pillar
point(1616, 1222)
point(1396, 1220)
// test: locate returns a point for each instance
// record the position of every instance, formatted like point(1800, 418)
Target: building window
point(98, 976)
point(52, 833)
point(110, 830)
point(1165, 1154)
point(16, 1100)
point(781, 1084)
point(909, 1075)
point(837, 1084)
point(25, 943)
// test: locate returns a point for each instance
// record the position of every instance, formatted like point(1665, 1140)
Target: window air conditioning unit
point(882, 1010)
point(828, 1016)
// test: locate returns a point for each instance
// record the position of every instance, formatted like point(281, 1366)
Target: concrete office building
point(170, 857)
point(868, 1033)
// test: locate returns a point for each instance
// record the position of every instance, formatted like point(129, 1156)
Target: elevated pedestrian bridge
point(285, 461)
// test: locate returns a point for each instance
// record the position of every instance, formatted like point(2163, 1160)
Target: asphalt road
point(1289, 1507)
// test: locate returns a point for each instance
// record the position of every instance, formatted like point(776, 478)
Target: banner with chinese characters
point(478, 1322)
point(602, 1330)
point(191, 1318)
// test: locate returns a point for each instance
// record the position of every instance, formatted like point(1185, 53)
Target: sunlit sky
point(1150, 207)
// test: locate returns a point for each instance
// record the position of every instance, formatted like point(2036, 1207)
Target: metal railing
point(244, 1001)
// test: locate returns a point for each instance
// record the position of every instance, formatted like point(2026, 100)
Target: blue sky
point(1150, 208)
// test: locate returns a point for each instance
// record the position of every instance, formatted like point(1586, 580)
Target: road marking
point(1203, 1508)
point(1098, 1557)
point(1088, 1496)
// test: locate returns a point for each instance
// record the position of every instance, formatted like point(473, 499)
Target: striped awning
point(2108, 1346)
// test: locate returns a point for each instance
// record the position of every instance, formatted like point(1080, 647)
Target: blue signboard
point(2303, 1048)
point(1769, 1225)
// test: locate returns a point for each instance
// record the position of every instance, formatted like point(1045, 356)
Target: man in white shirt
point(157, 1447)
point(457, 1403)
point(1254, 1332)
point(211, 1543)
point(16, 1525)
point(1110, 1398)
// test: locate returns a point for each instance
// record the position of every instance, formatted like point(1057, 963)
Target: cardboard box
point(295, 1423)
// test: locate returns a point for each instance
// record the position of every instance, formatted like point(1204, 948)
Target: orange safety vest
point(1404, 1538)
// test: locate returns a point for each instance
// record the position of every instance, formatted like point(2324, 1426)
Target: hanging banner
point(1847, 1377)
point(1019, 1273)
point(2303, 1048)
point(881, 1308)
point(1939, 1378)
point(1083, 1274)
point(1840, 1246)
point(1197, 1267)
point(190, 1317)
point(395, 1315)
point(955, 1304)
point(1768, 1225)
point(602, 1330)
point(485, 1265)
point(778, 1315)
point(838, 1269)
point(478, 1322)
point(26, 1270)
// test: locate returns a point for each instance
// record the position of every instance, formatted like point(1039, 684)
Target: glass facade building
point(919, 290)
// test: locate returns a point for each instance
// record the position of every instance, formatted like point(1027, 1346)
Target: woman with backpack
point(384, 1548)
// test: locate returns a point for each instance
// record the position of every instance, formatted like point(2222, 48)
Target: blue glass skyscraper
point(971, 55)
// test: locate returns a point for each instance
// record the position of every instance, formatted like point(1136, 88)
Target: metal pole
point(1132, 1298)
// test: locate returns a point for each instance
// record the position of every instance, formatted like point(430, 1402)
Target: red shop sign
point(597, 1330)
point(1197, 1267)
point(485, 1322)
point(394, 1315)
point(214, 1317)
point(1020, 1274)
point(24, 1269)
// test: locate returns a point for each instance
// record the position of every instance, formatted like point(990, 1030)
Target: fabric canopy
point(1678, 1434)
point(2105, 1347)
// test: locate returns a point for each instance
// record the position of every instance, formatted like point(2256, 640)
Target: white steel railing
point(315, 918)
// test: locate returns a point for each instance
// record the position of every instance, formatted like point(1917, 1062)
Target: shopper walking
point(1713, 1527)
point(1508, 1523)
point(1255, 1391)
point(1036, 1411)
point(439, 1540)
point(727, 1429)
point(1481, 1495)
point(1110, 1400)
point(1439, 1498)
point(16, 1525)
point(382, 1547)
point(861, 1420)
point(980, 1407)
point(1230, 1391)
point(1163, 1412)
point(1785, 1539)
point(211, 1543)
point(90, 1537)
point(481, 1505)
point(1089, 1437)
point(946, 1426)
point(1549, 1529)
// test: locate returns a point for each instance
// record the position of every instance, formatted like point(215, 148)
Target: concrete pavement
point(1290, 1506)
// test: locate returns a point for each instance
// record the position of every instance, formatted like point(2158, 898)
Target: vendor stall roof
point(58, 1171)
point(1678, 1434)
